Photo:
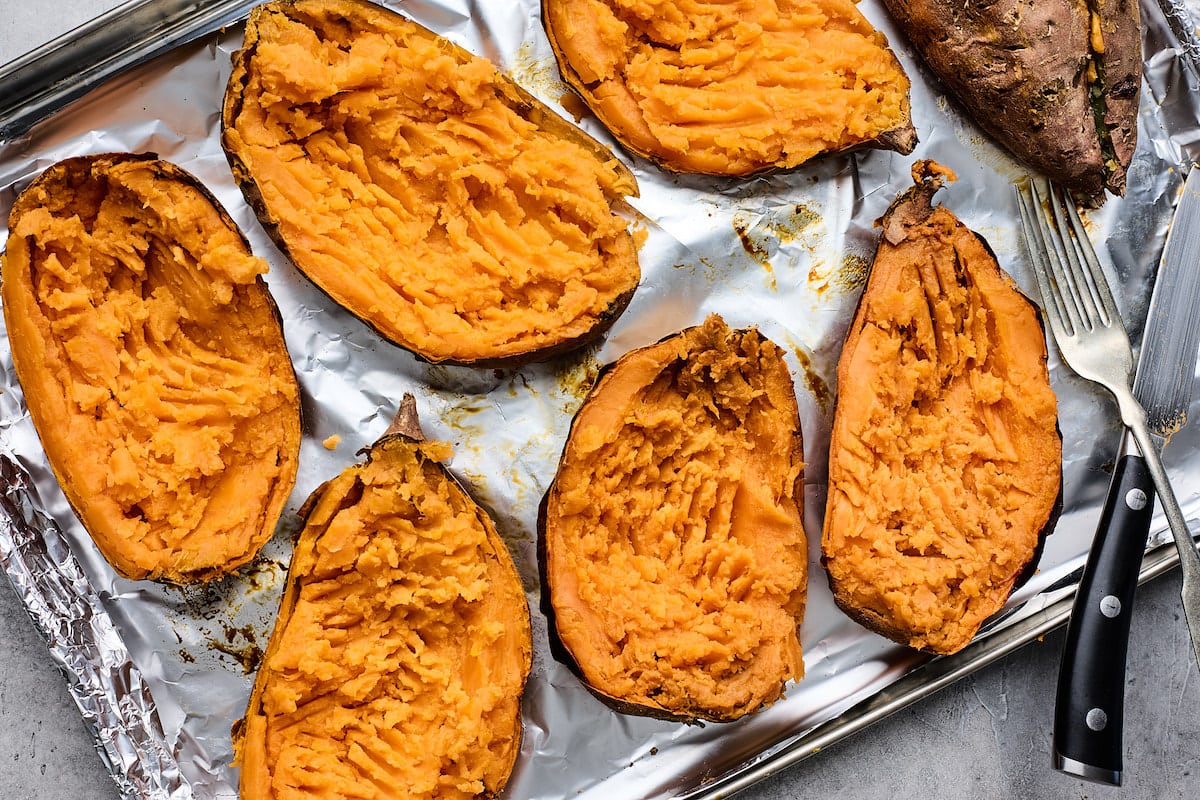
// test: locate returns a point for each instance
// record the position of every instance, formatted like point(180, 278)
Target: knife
point(1089, 711)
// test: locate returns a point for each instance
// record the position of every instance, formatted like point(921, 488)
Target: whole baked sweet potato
point(1055, 81)
point(424, 191)
point(945, 460)
point(153, 364)
point(402, 646)
point(733, 88)
point(672, 536)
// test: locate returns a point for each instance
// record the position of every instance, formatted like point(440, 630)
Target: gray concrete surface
point(986, 737)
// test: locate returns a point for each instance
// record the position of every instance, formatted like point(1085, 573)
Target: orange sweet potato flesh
point(423, 191)
point(153, 365)
point(673, 544)
point(401, 649)
point(945, 466)
point(733, 88)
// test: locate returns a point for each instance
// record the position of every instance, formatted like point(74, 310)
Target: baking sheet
point(162, 672)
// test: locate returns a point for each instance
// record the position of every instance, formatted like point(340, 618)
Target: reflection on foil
point(787, 252)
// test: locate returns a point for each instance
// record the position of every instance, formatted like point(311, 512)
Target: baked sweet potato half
point(945, 460)
point(733, 88)
point(672, 536)
point(153, 364)
point(422, 190)
point(1056, 82)
point(402, 646)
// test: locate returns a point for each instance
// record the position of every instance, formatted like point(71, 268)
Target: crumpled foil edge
point(1183, 27)
point(102, 679)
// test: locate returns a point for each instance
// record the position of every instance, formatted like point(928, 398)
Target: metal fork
point(1087, 327)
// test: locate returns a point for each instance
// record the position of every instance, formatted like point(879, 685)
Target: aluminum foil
point(161, 673)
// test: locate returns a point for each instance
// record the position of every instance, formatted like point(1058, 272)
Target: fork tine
point(1096, 283)
point(1062, 252)
point(1042, 252)
point(1075, 256)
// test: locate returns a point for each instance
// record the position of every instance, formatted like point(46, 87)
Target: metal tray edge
point(924, 681)
point(45, 80)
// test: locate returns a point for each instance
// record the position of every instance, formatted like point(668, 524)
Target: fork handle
point(1089, 707)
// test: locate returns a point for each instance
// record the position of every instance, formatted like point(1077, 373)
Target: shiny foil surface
point(161, 673)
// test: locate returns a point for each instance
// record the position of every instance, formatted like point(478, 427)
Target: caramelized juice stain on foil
point(507, 475)
point(763, 234)
point(817, 386)
point(537, 74)
point(849, 275)
point(240, 644)
point(576, 379)
point(230, 620)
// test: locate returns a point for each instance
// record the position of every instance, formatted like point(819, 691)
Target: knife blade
point(1089, 706)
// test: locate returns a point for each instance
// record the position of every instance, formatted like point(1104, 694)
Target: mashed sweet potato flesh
point(422, 190)
point(731, 87)
point(675, 548)
point(402, 646)
point(153, 365)
point(945, 459)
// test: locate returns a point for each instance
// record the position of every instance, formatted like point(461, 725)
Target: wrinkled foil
point(160, 673)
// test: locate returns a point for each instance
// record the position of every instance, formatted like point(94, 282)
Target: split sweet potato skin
point(733, 89)
point(945, 468)
point(153, 364)
point(422, 190)
point(402, 645)
point(1056, 82)
point(672, 541)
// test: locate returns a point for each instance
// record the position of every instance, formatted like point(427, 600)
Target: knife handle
point(1089, 708)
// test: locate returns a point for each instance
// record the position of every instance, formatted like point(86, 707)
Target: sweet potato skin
point(1031, 75)
point(403, 633)
point(643, 71)
point(864, 552)
point(397, 314)
point(161, 388)
point(687, 644)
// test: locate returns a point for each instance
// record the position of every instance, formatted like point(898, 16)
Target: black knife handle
point(1089, 709)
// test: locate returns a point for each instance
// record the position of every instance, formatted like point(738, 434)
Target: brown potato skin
point(1020, 69)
